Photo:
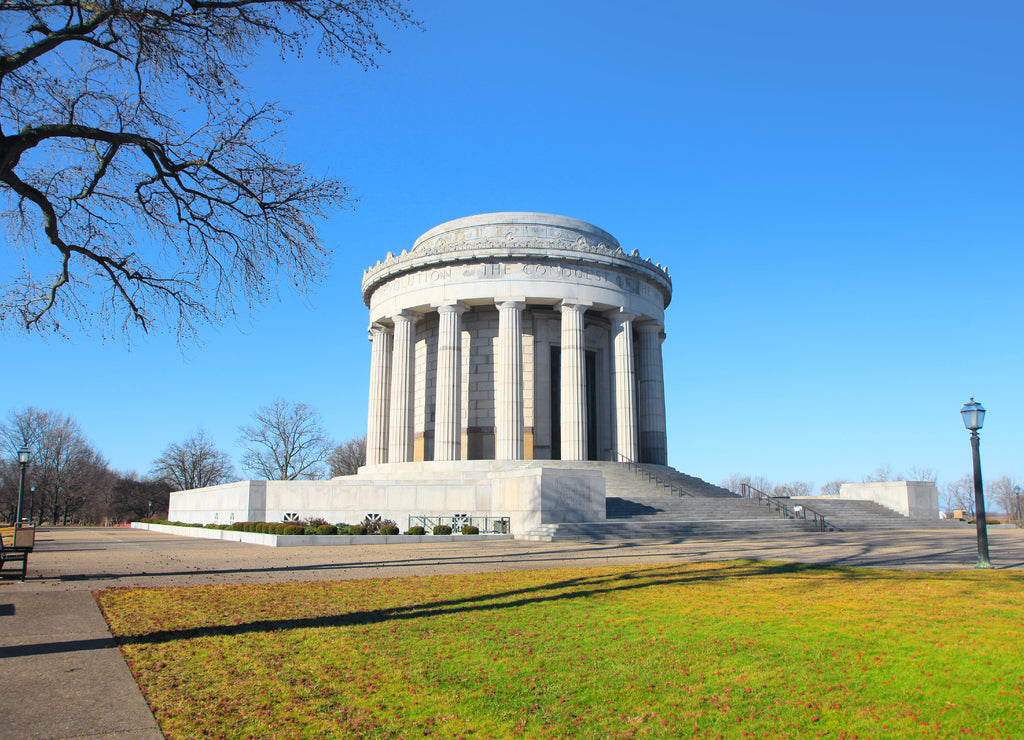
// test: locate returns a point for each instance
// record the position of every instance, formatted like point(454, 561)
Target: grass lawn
point(734, 649)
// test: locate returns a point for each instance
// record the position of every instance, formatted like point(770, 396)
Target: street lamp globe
point(23, 455)
point(973, 414)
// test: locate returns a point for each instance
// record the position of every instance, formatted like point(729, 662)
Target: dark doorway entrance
point(556, 403)
point(590, 375)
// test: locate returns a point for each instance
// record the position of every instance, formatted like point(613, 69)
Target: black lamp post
point(974, 416)
point(1016, 490)
point(23, 461)
point(31, 504)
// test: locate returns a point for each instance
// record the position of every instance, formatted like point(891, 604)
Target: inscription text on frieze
point(450, 274)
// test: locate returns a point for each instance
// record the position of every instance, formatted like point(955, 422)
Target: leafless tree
point(194, 463)
point(916, 473)
point(130, 498)
point(140, 184)
point(735, 483)
point(10, 479)
point(795, 488)
point(959, 494)
point(64, 467)
point(881, 474)
point(999, 493)
point(286, 442)
point(832, 487)
point(348, 457)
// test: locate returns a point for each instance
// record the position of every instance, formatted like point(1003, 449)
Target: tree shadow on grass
point(582, 587)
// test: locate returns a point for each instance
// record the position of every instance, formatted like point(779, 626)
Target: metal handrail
point(801, 512)
point(639, 470)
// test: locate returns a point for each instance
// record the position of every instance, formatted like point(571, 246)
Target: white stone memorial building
point(516, 336)
point(507, 351)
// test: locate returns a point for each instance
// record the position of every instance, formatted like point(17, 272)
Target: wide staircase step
point(854, 515)
point(640, 508)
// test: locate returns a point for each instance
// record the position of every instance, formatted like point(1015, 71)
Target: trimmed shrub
point(293, 529)
point(309, 530)
point(356, 529)
point(373, 526)
point(416, 530)
point(237, 527)
point(315, 522)
point(389, 529)
point(327, 529)
point(470, 529)
point(442, 529)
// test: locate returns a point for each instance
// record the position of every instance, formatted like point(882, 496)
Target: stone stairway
point(851, 515)
point(638, 508)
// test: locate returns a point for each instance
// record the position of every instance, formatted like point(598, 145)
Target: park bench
point(19, 549)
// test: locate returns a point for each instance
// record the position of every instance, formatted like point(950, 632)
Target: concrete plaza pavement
point(65, 678)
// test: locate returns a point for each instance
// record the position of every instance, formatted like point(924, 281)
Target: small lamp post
point(31, 504)
point(1016, 490)
point(974, 416)
point(23, 461)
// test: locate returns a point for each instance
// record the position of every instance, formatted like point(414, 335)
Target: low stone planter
point(314, 540)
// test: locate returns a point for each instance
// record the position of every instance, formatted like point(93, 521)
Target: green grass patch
point(735, 649)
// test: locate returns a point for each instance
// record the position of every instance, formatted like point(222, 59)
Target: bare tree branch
point(141, 185)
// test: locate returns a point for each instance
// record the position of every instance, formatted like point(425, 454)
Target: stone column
point(448, 389)
point(624, 384)
point(653, 440)
point(400, 425)
point(573, 383)
point(508, 383)
point(380, 377)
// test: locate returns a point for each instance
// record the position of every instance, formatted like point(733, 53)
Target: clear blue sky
point(836, 188)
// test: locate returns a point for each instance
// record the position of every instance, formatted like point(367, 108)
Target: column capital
point(376, 327)
point(517, 303)
point(620, 314)
point(453, 307)
point(406, 315)
point(567, 305)
point(650, 326)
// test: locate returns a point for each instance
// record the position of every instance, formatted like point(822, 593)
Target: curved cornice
point(534, 236)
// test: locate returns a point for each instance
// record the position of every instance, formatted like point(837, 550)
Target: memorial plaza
point(72, 681)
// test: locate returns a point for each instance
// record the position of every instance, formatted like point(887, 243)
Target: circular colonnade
point(514, 336)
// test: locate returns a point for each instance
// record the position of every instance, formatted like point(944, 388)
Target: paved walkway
point(64, 677)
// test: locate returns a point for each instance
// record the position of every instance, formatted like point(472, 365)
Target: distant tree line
point(1000, 495)
point(69, 481)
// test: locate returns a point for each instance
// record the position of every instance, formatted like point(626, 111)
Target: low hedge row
point(288, 528)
